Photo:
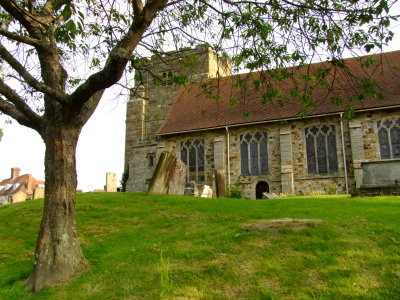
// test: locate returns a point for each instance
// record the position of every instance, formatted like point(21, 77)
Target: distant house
point(19, 188)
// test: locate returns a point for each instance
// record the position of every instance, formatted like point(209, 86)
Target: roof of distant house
point(217, 103)
point(13, 185)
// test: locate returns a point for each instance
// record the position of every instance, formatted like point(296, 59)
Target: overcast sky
point(100, 147)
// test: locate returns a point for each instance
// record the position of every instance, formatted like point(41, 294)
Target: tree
point(40, 38)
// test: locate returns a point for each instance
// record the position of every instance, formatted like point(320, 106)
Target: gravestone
point(168, 177)
point(178, 181)
point(220, 185)
point(270, 196)
point(207, 192)
point(191, 189)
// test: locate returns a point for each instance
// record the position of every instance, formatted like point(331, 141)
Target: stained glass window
point(389, 137)
point(254, 153)
point(192, 155)
point(244, 151)
point(321, 149)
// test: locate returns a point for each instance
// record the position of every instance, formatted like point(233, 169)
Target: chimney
point(15, 172)
point(29, 184)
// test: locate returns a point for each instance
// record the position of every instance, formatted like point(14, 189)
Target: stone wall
point(364, 140)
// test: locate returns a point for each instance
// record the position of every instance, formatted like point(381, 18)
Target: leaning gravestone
point(169, 176)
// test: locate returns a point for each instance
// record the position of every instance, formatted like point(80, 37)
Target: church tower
point(151, 99)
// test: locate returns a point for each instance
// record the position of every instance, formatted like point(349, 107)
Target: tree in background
point(124, 179)
point(58, 57)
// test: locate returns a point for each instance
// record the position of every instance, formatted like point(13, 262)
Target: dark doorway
point(261, 187)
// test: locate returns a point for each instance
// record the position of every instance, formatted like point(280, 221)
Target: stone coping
point(380, 161)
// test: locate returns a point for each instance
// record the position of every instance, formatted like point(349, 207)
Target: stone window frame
point(395, 124)
point(166, 77)
point(329, 172)
point(199, 175)
point(151, 159)
point(265, 137)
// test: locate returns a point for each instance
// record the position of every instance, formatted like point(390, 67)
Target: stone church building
point(228, 123)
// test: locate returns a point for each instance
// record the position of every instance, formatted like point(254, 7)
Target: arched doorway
point(261, 187)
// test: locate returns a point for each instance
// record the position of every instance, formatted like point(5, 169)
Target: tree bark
point(58, 256)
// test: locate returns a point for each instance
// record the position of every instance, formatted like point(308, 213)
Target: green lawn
point(147, 247)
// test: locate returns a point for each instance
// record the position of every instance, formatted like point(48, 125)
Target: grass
point(179, 247)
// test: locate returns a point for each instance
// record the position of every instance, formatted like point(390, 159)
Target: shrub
point(124, 179)
point(234, 191)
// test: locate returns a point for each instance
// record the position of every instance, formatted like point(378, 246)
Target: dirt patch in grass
point(278, 224)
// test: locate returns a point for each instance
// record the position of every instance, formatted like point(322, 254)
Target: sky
point(100, 147)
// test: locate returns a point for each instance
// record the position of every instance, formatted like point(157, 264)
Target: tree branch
point(19, 38)
point(14, 113)
point(119, 55)
point(137, 6)
point(34, 119)
point(33, 82)
point(18, 12)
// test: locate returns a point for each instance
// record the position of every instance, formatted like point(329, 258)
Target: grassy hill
point(147, 247)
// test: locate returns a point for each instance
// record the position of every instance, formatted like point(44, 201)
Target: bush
point(234, 191)
point(124, 179)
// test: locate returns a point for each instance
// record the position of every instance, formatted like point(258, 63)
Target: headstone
point(191, 189)
point(169, 176)
point(207, 192)
point(162, 175)
point(177, 183)
point(220, 185)
point(270, 196)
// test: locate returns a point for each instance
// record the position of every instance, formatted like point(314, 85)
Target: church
point(260, 135)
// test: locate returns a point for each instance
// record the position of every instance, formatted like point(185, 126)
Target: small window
point(151, 159)
point(166, 78)
point(192, 155)
point(254, 153)
point(321, 149)
point(389, 137)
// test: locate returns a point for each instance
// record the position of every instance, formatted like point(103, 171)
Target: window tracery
point(321, 149)
point(254, 153)
point(192, 155)
point(389, 137)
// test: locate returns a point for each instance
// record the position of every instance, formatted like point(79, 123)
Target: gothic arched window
point(254, 153)
point(321, 149)
point(389, 137)
point(192, 154)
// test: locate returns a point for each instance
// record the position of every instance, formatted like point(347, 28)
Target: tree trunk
point(58, 256)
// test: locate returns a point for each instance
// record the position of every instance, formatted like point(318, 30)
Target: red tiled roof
point(19, 181)
point(194, 110)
